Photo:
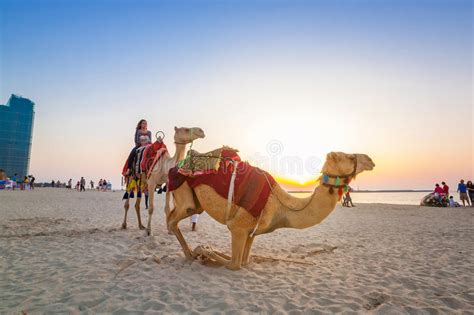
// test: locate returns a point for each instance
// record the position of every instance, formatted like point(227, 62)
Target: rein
point(181, 163)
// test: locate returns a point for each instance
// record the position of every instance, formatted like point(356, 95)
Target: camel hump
point(220, 152)
point(197, 163)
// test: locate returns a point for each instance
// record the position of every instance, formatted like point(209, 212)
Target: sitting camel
point(281, 210)
point(159, 174)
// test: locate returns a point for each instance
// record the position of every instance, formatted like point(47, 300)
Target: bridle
point(190, 137)
point(346, 179)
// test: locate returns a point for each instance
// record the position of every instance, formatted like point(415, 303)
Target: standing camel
point(280, 211)
point(158, 176)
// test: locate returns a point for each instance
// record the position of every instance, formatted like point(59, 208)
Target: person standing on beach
point(470, 191)
point(462, 189)
point(83, 184)
point(445, 190)
point(194, 221)
point(14, 181)
point(32, 182)
point(26, 183)
point(92, 184)
point(348, 197)
point(438, 192)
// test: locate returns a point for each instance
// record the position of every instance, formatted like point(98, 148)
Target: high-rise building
point(16, 128)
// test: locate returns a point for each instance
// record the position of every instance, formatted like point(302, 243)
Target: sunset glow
point(312, 77)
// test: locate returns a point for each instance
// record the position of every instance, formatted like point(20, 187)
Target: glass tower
point(16, 128)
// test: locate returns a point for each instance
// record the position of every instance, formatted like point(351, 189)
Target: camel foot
point(124, 226)
point(141, 227)
point(148, 232)
point(202, 251)
point(232, 267)
point(207, 254)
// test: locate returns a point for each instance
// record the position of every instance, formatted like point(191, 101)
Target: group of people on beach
point(80, 186)
point(465, 190)
point(25, 183)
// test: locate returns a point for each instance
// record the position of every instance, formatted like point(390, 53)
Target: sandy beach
point(64, 251)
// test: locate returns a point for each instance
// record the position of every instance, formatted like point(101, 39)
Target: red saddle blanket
point(252, 185)
point(144, 157)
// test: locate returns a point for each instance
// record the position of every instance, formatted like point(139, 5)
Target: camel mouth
point(199, 133)
point(371, 166)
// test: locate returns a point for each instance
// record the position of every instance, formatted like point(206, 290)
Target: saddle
point(252, 186)
point(196, 163)
point(145, 158)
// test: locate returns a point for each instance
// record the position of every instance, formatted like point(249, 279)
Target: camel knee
point(173, 227)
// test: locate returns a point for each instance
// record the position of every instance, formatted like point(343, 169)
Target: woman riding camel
point(140, 132)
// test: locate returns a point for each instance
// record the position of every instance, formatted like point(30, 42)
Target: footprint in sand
point(374, 300)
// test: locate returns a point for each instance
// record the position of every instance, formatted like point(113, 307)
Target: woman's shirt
point(139, 133)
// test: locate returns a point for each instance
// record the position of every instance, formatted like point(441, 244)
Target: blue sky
point(378, 77)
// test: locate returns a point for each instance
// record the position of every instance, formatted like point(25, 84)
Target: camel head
point(343, 164)
point(184, 135)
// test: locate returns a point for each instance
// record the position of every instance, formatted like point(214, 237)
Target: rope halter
point(341, 187)
point(181, 163)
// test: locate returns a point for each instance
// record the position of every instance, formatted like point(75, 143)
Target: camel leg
point(179, 212)
point(167, 209)
point(137, 209)
point(184, 207)
point(174, 218)
point(167, 203)
point(151, 206)
point(239, 240)
point(248, 246)
point(126, 206)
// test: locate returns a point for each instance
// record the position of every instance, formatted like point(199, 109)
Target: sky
point(285, 82)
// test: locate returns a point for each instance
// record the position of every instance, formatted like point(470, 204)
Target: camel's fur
point(281, 211)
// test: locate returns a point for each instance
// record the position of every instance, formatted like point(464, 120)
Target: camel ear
point(175, 128)
point(331, 156)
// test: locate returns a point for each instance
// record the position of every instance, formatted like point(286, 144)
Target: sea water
point(401, 198)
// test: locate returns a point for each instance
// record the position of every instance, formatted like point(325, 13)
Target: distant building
point(16, 128)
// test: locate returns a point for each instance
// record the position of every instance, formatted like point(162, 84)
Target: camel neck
point(317, 207)
point(179, 153)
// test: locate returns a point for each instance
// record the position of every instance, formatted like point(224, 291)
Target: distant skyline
point(285, 82)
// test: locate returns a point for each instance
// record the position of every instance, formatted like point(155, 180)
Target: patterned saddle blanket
point(252, 185)
point(145, 158)
point(196, 163)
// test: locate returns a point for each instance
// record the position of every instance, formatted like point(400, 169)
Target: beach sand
point(64, 251)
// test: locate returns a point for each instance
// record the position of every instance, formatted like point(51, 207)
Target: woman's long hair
point(139, 125)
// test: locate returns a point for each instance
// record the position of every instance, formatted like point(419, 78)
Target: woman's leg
point(131, 157)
